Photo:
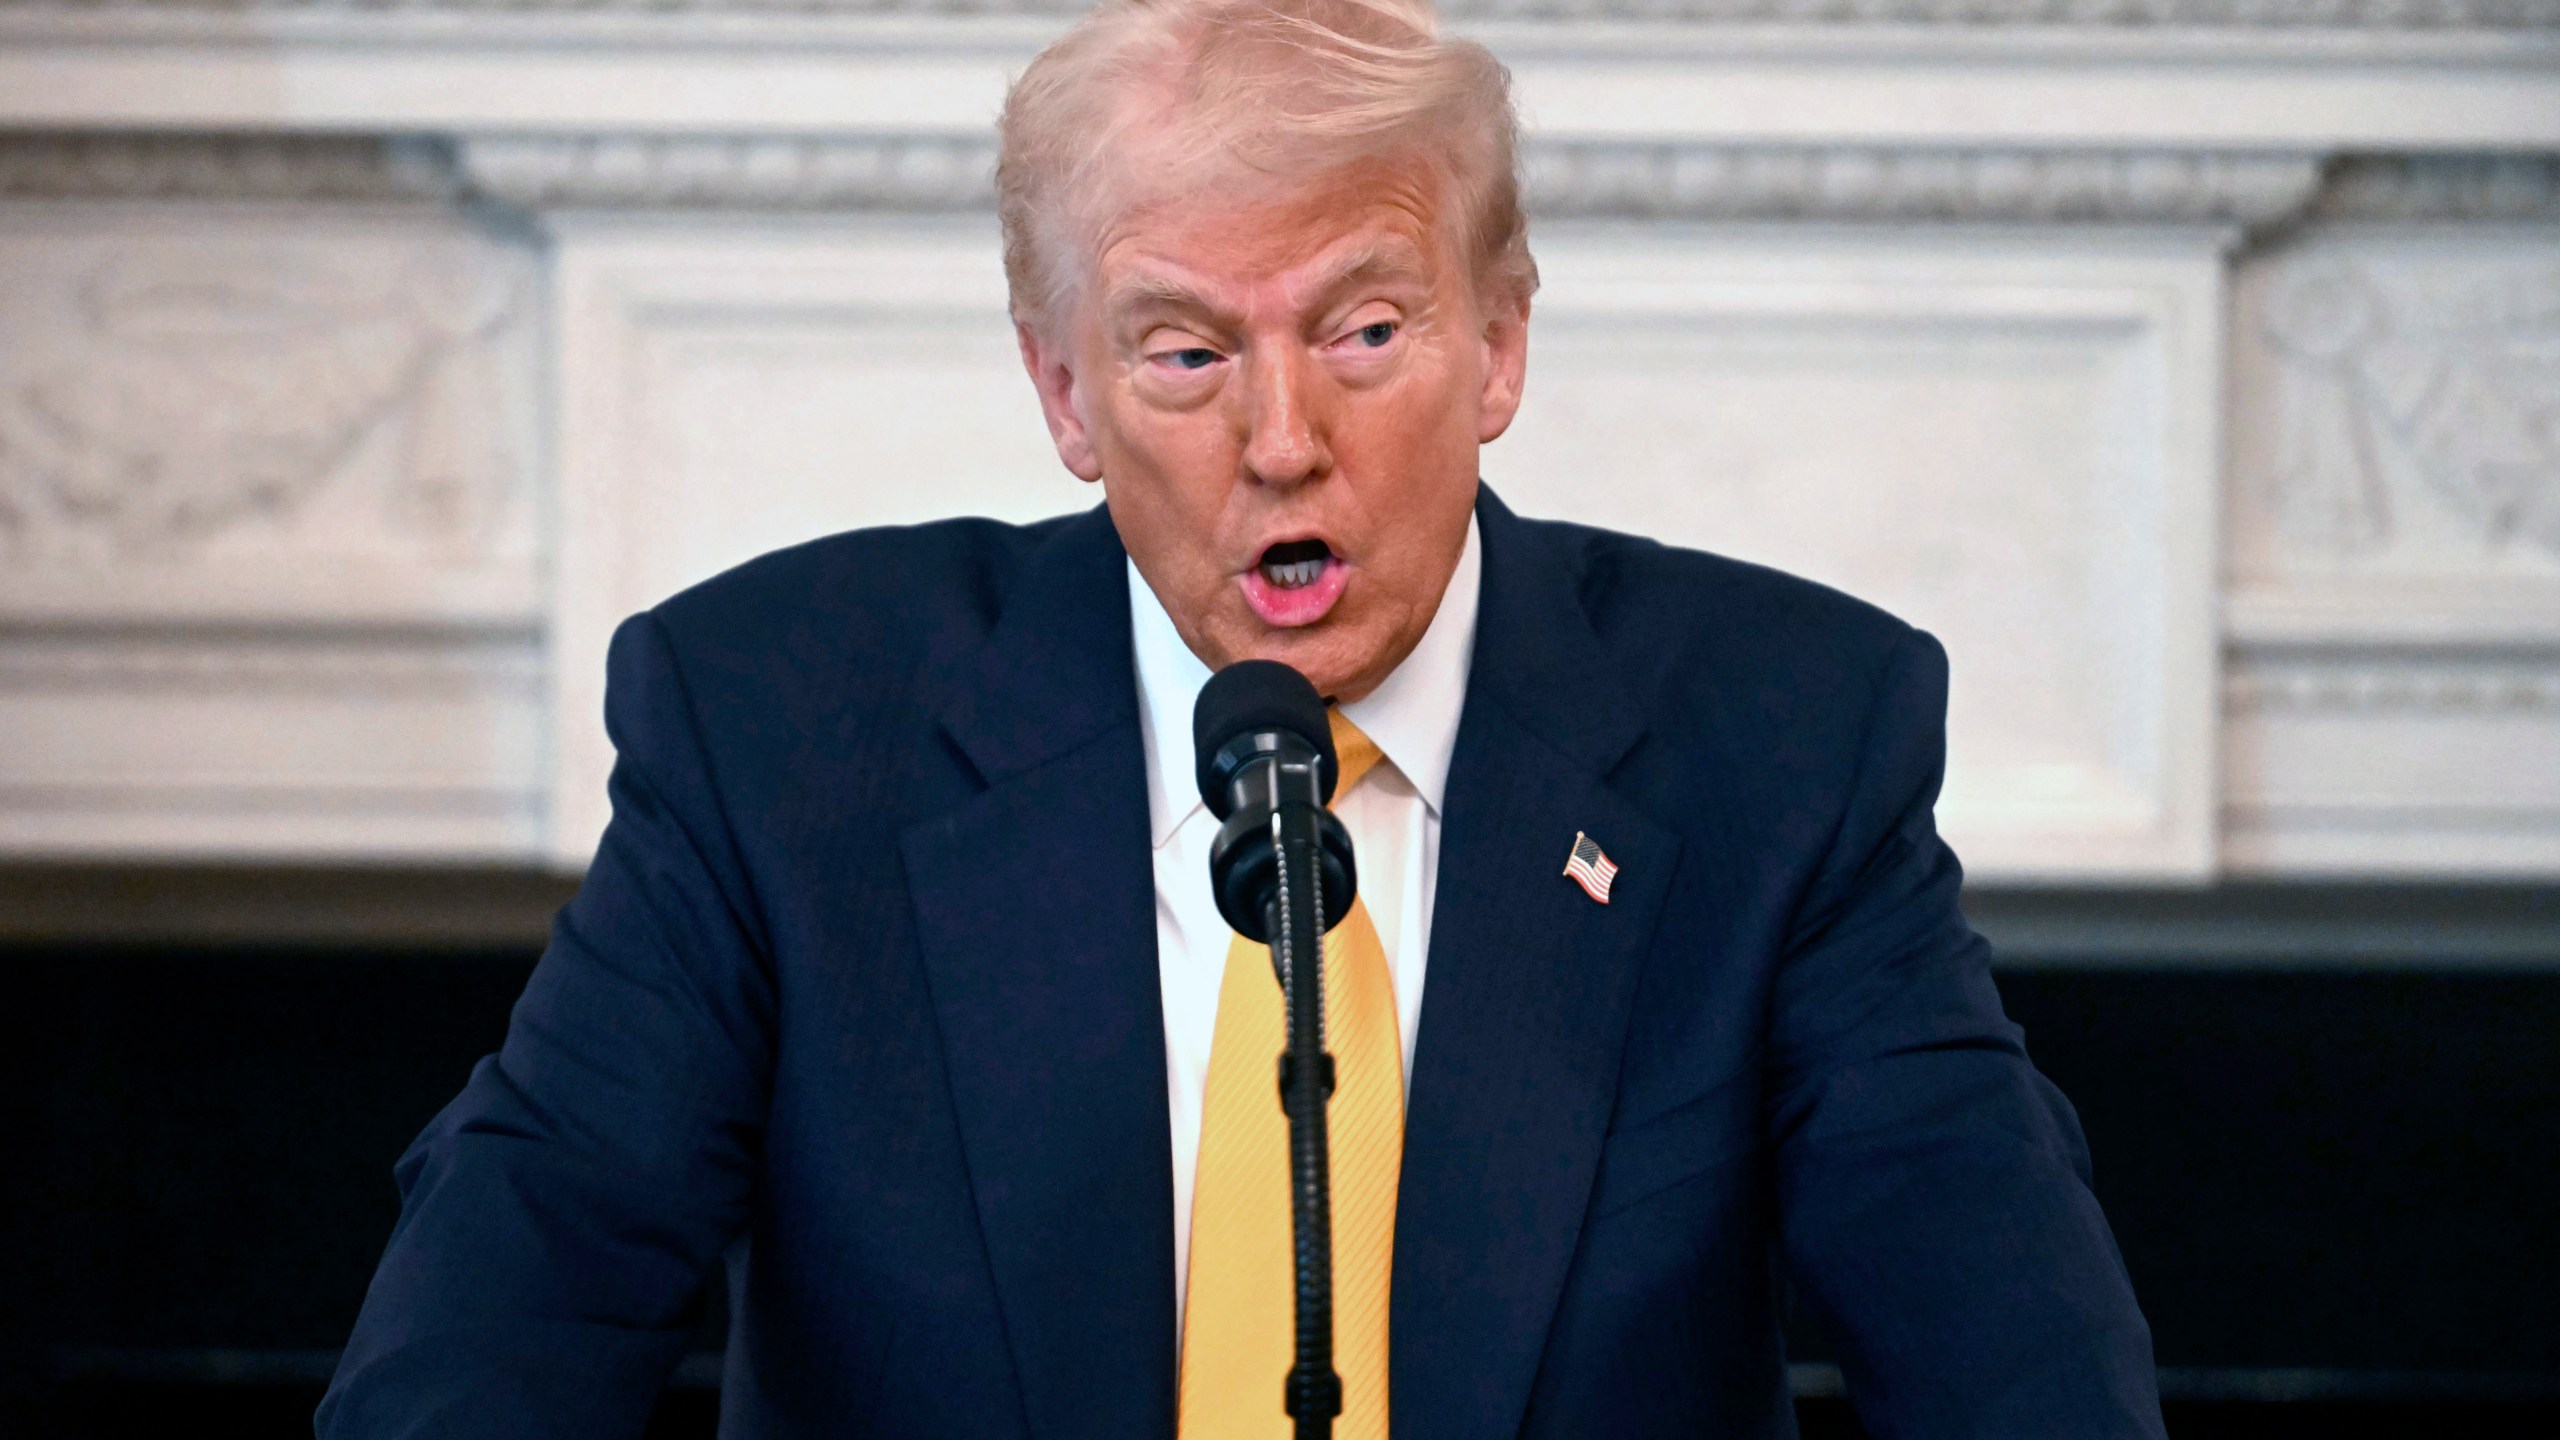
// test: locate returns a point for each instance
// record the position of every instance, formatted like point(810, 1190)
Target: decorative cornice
point(1577, 179)
point(1634, 180)
point(336, 168)
point(2401, 687)
point(1853, 183)
point(1971, 14)
point(2441, 187)
point(740, 173)
point(372, 663)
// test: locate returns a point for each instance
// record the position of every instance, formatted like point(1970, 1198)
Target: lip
point(1297, 606)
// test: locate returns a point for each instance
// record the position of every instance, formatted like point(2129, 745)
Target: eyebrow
point(1145, 291)
point(1383, 260)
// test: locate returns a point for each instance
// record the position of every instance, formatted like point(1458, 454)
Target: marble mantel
point(2192, 367)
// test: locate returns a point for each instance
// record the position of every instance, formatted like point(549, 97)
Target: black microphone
point(1263, 746)
point(1281, 866)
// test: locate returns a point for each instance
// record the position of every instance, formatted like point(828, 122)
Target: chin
point(1330, 662)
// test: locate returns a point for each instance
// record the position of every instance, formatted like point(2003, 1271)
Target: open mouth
point(1295, 583)
point(1295, 565)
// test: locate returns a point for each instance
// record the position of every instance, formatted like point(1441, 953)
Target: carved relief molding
point(2404, 395)
point(2116, 14)
point(2401, 761)
point(1879, 183)
point(332, 168)
point(921, 172)
point(1636, 181)
point(745, 173)
point(2441, 187)
point(940, 173)
point(216, 385)
point(2467, 403)
point(2412, 687)
point(306, 663)
point(929, 173)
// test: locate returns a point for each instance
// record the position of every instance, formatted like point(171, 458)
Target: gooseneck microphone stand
point(1283, 873)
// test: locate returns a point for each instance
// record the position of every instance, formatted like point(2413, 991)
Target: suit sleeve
point(1933, 1188)
point(560, 1218)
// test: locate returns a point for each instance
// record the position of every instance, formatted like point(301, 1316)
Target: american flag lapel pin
point(1589, 868)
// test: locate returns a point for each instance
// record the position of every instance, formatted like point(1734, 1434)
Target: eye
point(1377, 333)
point(1196, 357)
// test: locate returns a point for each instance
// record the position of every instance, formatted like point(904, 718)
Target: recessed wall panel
point(1993, 440)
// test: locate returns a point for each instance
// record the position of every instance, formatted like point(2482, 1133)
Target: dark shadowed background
point(2326, 1122)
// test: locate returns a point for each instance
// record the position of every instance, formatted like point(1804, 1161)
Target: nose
point(1284, 419)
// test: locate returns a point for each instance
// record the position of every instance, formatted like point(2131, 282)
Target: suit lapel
point(1526, 1007)
point(1034, 904)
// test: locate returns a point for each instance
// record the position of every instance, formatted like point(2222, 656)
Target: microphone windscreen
point(1250, 697)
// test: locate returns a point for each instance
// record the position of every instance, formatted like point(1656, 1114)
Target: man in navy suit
point(891, 984)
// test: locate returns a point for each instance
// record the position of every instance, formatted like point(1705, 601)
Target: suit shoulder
point(1669, 600)
point(1767, 689)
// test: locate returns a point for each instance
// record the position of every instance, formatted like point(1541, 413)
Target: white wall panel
point(730, 391)
point(2004, 440)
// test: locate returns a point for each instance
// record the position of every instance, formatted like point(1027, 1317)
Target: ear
point(1506, 368)
point(1055, 381)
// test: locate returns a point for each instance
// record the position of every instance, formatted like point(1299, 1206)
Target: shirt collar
point(1412, 715)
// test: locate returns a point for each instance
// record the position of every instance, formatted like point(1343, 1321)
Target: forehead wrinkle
point(1158, 280)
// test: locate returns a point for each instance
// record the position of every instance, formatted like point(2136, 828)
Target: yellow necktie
point(1239, 1330)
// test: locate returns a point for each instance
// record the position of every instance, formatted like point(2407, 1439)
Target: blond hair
point(1223, 90)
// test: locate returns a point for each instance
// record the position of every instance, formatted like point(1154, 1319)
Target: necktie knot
point(1354, 753)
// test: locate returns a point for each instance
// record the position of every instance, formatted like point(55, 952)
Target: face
point(1283, 393)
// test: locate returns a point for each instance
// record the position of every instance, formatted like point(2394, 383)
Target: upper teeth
point(1290, 574)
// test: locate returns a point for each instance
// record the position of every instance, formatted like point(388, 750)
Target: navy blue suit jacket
point(860, 994)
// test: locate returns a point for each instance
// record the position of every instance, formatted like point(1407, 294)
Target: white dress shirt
point(1393, 816)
